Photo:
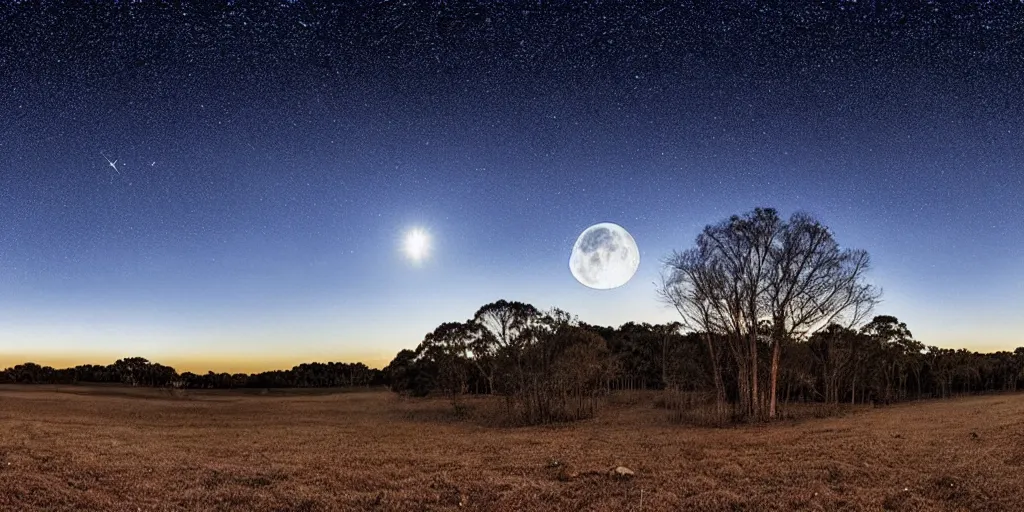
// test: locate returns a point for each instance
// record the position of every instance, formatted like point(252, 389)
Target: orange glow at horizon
point(230, 363)
point(198, 364)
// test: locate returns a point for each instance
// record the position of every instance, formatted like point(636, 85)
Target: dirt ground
point(82, 449)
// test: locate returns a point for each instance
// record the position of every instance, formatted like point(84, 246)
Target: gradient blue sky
point(272, 157)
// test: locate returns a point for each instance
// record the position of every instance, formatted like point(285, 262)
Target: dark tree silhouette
point(756, 280)
point(500, 331)
point(448, 348)
point(138, 371)
point(548, 366)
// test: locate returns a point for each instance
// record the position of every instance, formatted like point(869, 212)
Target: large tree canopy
point(756, 279)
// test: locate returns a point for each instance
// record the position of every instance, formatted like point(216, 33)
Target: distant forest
point(138, 371)
point(880, 362)
point(772, 312)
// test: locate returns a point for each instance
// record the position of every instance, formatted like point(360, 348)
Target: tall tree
point(902, 353)
point(133, 370)
point(812, 283)
point(500, 330)
point(695, 286)
point(448, 346)
point(754, 268)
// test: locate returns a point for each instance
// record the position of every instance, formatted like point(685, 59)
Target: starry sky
point(270, 157)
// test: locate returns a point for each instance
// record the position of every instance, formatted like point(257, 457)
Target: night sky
point(271, 157)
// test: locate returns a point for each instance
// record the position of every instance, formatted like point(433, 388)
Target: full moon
point(605, 256)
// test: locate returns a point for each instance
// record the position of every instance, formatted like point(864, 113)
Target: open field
point(130, 449)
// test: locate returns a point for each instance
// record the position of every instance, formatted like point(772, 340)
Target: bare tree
point(755, 274)
point(691, 285)
point(812, 284)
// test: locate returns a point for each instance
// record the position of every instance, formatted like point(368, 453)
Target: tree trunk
point(664, 358)
point(743, 387)
point(776, 350)
point(719, 384)
point(754, 395)
point(735, 344)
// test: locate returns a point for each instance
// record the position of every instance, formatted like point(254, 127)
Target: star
point(417, 245)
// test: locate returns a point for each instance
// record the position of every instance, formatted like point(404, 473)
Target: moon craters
point(605, 256)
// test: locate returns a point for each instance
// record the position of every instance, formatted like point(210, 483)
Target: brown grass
point(126, 449)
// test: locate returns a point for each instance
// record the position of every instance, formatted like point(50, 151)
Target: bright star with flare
point(417, 245)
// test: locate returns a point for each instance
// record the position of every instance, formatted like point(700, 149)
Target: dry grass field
point(118, 449)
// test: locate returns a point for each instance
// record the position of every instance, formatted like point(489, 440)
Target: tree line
point(562, 370)
point(138, 371)
point(547, 366)
point(567, 363)
point(772, 312)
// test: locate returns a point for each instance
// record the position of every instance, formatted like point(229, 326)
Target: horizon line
point(262, 365)
point(254, 367)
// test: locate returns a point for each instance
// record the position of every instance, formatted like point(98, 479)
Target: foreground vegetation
point(111, 449)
